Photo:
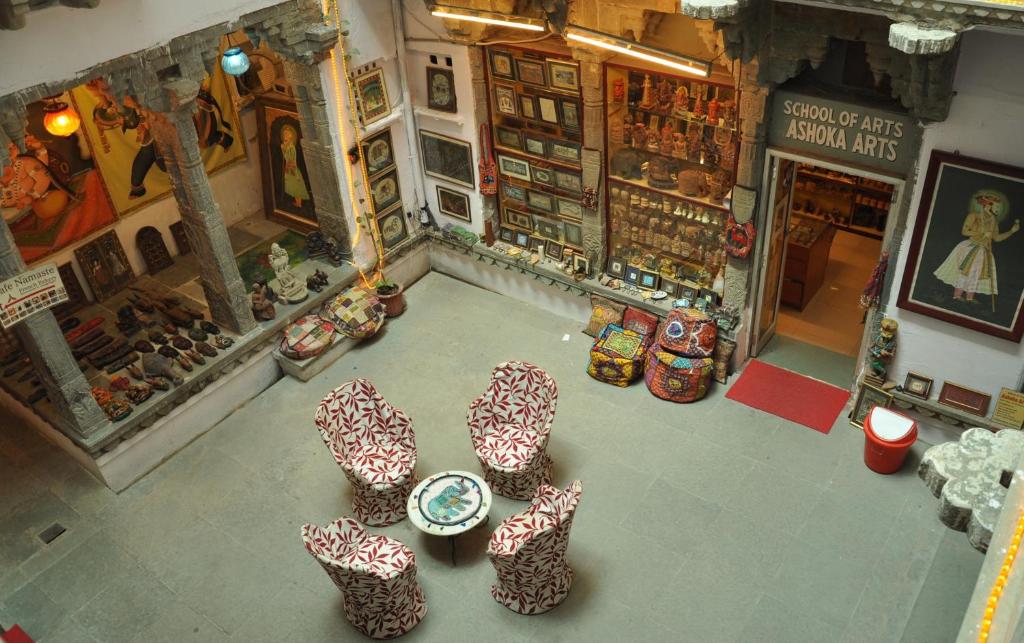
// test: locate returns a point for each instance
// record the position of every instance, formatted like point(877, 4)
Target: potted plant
point(392, 296)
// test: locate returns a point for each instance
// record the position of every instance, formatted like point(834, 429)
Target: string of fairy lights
point(1000, 583)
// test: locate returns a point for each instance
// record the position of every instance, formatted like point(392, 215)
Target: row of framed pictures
point(544, 202)
point(385, 191)
point(552, 249)
point(552, 73)
point(535, 145)
point(619, 268)
point(554, 110)
point(532, 172)
point(551, 229)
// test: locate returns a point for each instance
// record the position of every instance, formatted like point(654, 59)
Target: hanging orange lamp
point(59, 118)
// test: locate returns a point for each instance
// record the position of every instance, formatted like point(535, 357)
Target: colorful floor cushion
point(357, 313)
point(675, 378)
point(689, 333)
point(640, 321)
point(306, 337)
point(604, 311)
point(617, 356)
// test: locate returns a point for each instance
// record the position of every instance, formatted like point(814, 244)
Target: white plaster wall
point(984, 122)
point(57, 43)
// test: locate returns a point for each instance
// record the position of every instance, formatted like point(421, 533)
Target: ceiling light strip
point(501, 20)
point(642, 52)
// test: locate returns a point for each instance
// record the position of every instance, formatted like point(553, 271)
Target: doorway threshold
point(810, 360)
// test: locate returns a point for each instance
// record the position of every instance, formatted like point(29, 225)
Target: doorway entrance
point(824, 225)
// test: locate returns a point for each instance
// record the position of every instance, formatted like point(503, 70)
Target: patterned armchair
point(509, 425)
point(374, 444)
point(528, 552)
point(376, 576)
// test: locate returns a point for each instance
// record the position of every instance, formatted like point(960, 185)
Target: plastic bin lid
point(888, 425)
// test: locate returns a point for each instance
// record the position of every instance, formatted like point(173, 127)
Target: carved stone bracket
point(911, 38)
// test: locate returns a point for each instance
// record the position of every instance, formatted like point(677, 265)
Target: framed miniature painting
point(506, 235)
point(540, 201)
point(553, 251)
point(564, 75)
point(522, 240)
point(384, 191)
point(964, 263)
point(447, 158)
point(505, 100)
point(868, 398)
point(441, 89)
point(616, 267)
point(528, 107)
point(542, 175)
point(501, 65)
point(105, 266)
point(548, 229)
point(918, 385)
point(452, 203)
point(570, 114)
point(372, 96)
point(565, 151)
point(965, 399)
point(518, 219)
point(573, 234)
point(534, 145)
point(511, 166)
point(548, 110)
point(513, 192)
point(508, 137)
point(570, 210)
point(530, 72)
point(570, 181)
point(378, 153)
point(392, 227)
point(287, 195)
point(581, 264)
point(648, 280)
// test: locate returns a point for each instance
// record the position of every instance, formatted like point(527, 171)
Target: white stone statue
point(287, 285)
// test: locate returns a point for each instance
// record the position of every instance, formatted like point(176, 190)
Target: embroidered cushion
point(689, 333)
point(617, 356)
point(640, 321)
point(605, 311)
point(356, 313)
point(306, 337)
point(676, 378)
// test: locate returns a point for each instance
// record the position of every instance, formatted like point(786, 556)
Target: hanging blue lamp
point(234, 61)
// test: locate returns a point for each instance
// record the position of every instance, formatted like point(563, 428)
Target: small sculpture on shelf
point(681, 102)
point(883, 350)
point(664, 94)
point(288, 286)
point(647, 100)
point(262, 307)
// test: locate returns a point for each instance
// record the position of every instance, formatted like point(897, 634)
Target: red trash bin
point(888, 437)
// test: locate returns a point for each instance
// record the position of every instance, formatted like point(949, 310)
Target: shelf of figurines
point(694, 192)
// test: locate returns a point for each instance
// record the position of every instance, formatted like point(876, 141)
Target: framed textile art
point(379, 153)
point(392, 227)
point(501, 65)
point(122, 146)
point(516, 168)
point(372, 96)
point(563, 75)
point(287, 195)
point(965, 399)
point(441, 89)
point(52, 195)
point(868, 398)
point(531, 72)
point(447, 158)
point(964, 262)
point(452, 203)
point(104, 265)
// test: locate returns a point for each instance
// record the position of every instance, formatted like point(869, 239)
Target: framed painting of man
point(287, 195)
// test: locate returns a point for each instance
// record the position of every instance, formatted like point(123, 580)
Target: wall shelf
point(419, 110)
point(942, 413)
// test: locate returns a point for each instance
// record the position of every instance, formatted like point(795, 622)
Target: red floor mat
point(789, 395)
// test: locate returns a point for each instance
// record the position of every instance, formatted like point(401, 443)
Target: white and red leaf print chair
point(528, 552)
point(509, 425)
point(375, 446)
point(376, 576)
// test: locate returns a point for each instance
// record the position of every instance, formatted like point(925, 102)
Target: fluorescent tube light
point(643, 52)
point(488, 18)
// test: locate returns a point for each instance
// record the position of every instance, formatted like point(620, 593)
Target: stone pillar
point(595, 228)
point(175, 137)
point(40, 335)
point(318, 150)
point(478, 78)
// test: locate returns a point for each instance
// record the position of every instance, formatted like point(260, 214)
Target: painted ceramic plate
point(659, 294)
point(449, 503)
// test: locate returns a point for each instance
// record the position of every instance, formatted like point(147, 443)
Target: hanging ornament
point(739, 238)
point(59, 118)
point(488, 178)
point(234, 61)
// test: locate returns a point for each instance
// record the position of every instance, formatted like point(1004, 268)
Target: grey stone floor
point(707, 522)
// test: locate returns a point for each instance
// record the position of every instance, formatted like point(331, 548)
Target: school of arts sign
point(864, 136)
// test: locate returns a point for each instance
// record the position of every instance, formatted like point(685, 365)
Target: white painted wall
point(984, 122)
point(57, 43)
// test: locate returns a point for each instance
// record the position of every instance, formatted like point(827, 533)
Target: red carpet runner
point(789, 395)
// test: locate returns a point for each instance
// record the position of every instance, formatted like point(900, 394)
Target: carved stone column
point(595, 228)
point(478, 78)
point(318, 150)
point(176, 138)
point(40, 335)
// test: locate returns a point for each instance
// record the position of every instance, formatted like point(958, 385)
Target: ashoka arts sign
point(865, 136)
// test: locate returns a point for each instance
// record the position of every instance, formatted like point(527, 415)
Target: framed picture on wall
point(392, 227)
point(570, 210)
point(553, 250)
point(571, 181)
point(573, 235)
point(548, 110)
point(616, 267)
point(570, 113)
point(501, 65)
point(452, 203)
point(540, 201)
point(513, 192)
point(964, 264)
point(530, 72)
point(384, 191)
point(287, 195)
point(441, 89)
point(534, 145)
point(104, 265)
point(528, 106)
point(379, 153)
point(868, 398)
point(518, 219)
point(506, 235)
point(548, 229)
point(564, 75)
point(505, 100)
point(516, 168)
point(447, 158)
point(372, 96)
point(508, 137)
point(542, 175)
point(565, 151)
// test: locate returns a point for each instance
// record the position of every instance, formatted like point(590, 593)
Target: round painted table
point(449, 503)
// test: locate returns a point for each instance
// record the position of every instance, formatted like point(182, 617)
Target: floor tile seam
point(46, 551)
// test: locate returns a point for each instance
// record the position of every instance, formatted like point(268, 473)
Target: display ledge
point(675, 194)
point(943, 413)
point(544, 271)
point(685, 119)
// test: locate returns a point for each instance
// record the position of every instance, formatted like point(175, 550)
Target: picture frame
point(553, 251)
point(378, 153)
point(505, 100)
point(569, 181)
point(385, 191)
point(447, 158)
point(670, 286)
point(105, 266)
point(518, 219)
point(918, 385)
point(648, 280)
point(513, 192)
point(391, 225)
point(441, 89)
point(535, 145)
point(506, 234)
point(688, 290)
point(569, 209)
point(708, 295)
point(371, 96)
point(958, 192)
point(570, 113)
point(522, 240)
point(581, 264)
point(453, 204)
point(563, 75)
point(537, 244)
point(616, 267)
point(287, 193)
point(547, 228)
point(965, 399)
point(868, 397)
point(514, 167)
point(548, 109)
point(542, 175)
point(508, 138)
point(531, 72)
point(540, 201)
point(573, 234)
point(566, 151)
point(527, 107)
point(501, 65)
